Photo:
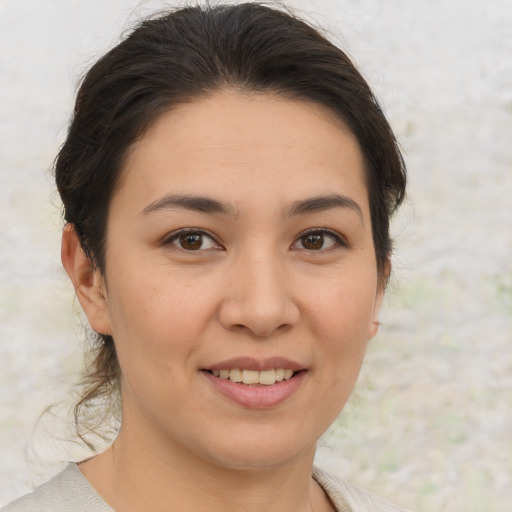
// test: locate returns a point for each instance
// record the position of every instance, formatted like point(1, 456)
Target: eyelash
point(175, 236)
point(339, 241)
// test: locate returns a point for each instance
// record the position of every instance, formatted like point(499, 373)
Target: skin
point(254, 288)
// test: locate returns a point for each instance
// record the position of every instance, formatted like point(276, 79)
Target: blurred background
point(429, 425)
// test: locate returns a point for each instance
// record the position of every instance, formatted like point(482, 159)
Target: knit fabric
point(70, 491)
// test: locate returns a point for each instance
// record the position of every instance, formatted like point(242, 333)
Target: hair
point(186, 54)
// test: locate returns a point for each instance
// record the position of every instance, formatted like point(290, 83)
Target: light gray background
point(430, 424)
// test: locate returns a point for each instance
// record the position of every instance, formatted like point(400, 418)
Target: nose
point(258, 298)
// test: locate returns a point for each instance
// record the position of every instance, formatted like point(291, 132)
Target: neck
point(136, 474)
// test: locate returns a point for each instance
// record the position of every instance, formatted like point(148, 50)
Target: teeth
point(236, 375)
point(265, 377)
point(268, 377)
point(250, 376)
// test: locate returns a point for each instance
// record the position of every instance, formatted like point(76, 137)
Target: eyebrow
point(322, 203)
point(188, 202)
point(204, 204)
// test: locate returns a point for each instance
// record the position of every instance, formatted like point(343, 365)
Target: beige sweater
point(70, 491)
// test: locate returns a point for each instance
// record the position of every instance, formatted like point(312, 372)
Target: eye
point(318, 239)
point(192, 240)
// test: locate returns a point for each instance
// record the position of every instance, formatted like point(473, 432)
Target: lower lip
point(257, 397)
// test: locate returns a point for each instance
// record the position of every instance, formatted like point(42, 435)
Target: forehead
point(230, 141)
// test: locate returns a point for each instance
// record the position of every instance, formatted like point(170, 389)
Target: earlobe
point(381, 286)
point(375, 323)
point(87, 281)
point(374, 329)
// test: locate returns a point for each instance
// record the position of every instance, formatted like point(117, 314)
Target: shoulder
point(349, 498)
point(66, 492)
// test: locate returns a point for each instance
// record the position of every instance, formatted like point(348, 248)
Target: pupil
point(191, 241)
point(313, 241)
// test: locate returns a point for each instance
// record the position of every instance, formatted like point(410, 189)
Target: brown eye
point(313, 241)
point(317, 240)
point(192, 241)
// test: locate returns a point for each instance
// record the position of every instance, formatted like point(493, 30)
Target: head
point(187, 57)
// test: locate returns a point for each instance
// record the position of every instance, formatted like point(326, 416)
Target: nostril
point(253, 314)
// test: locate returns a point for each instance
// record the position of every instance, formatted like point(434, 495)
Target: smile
point(255, 377)
point(256, 383)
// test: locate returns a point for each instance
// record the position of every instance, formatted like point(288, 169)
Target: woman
point(227, 181)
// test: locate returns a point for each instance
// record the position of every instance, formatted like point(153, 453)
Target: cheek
point(345, 305)
point(154, 316)
point(342, 315)
point(157, 327)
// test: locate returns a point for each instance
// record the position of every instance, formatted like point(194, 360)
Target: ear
point(381, 287)
point(87, 281)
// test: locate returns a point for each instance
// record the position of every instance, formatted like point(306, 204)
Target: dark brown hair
point(192, 52)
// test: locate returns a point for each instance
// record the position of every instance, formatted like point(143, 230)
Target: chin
point(258, 461)
point(260, 452)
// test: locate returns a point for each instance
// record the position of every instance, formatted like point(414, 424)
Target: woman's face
point(239, 244)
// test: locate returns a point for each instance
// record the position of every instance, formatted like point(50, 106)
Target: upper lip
point(250, 363)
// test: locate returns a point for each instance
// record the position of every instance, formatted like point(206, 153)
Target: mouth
point(254, 377)
point(256, 383)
